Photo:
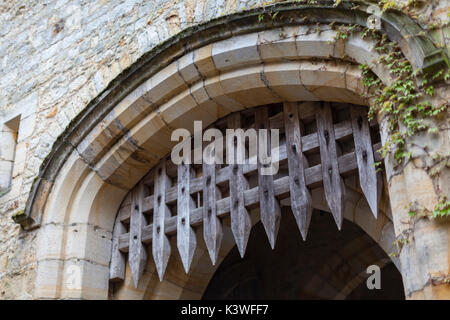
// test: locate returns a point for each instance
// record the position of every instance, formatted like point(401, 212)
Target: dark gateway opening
point(331, 264)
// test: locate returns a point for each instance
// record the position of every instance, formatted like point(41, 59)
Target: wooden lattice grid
point(320, 143)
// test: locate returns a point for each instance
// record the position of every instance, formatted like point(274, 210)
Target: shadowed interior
point(331, 264)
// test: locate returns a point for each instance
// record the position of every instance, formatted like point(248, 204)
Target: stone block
point(5, 174)
point(207, 103)
point(278, 44)
point(47, 279)
point(49, 243)
point(204, 62)
point(236, 51)
point(284, 80)
point(215, 91)
point(84, 280)
point(26, 128)
point(20, 158)
point(246, 86)
point(85, 241)
point(314, 44)
point(166, 78)
point(187, 69)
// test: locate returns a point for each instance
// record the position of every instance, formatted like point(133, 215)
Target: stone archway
point(135, 265)
point(113, 150)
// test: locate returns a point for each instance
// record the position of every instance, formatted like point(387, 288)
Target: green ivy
point(344, 31)
point(404, 99)
point(442, 208)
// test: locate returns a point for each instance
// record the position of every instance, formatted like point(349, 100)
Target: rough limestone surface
point(55, 57)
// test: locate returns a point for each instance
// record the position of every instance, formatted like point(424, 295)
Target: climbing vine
point(407, 100)
point(442, 209)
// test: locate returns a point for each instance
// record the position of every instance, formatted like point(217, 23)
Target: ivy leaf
point(447, 75)
point(260, 17)
point(442, 209)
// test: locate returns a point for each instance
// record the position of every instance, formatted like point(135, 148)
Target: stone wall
point(55, 57)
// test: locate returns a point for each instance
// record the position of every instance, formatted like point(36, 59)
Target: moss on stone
point(19, 216)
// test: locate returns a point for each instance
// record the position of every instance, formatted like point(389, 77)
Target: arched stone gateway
point(171, 203)
point(316, 146)
point(227, 67)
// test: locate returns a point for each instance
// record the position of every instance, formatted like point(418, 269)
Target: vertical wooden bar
point(379, 186)
point(117, 266)
point(160, 242)
point(240, 218)
point(186, 238)
point(137, 255)
point(332, 182)
point(212, 226)
point(364, 156)
point(301, 201)
point(269, 206)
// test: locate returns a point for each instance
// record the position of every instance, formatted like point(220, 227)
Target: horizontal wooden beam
point(309, 142)
point(313, 175)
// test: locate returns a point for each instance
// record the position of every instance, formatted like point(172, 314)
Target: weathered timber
point(293, 181)
point(269, 206)
point(117, 265)
point(332, 182)
point(301, 202)
point(212, 226)
point(313, 176)
point(364, 157)
point(138, 255)
point(309, 143)
point(306, 161)
point(240, 218)
point(186, 238)
point(160, 243)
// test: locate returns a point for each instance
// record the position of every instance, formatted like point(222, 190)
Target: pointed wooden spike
point(240, 218)
point(364, 156)
point(301, 202)
point(117, 266)
point(269, 206)
point(212, 226)
point(160, 243)
point(137, 256)
point(332, 182)
point(347, 165)
point(186, 238)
